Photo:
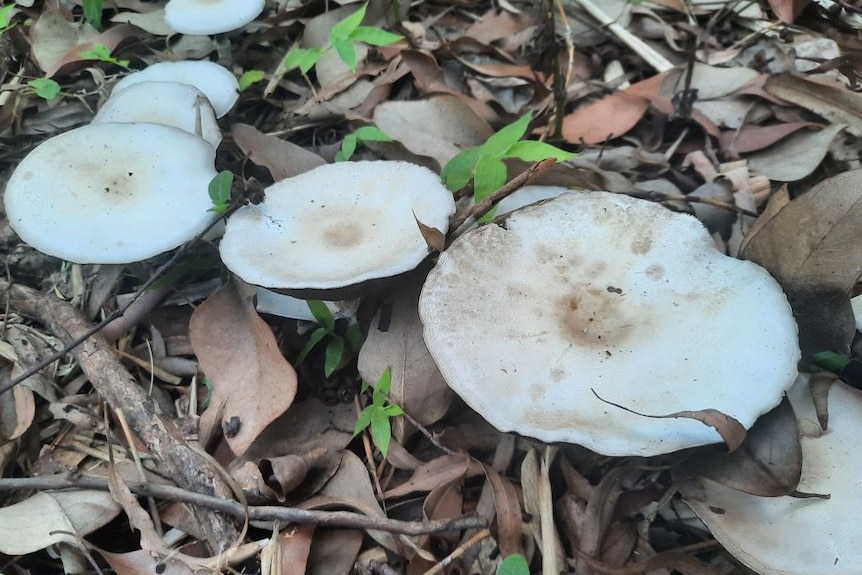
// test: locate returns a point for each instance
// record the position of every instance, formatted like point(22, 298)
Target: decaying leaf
point(609, 118)
point(444, 469)
point(508, 512)
point(768, 463)
point(825, 98)
point(417, 385)
point(796, 156)
point(282, 158)
point(252, 382)
point(811, 246)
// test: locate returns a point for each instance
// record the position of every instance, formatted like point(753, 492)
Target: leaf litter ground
point(712, 119)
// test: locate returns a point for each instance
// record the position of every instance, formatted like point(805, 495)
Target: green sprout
point(220, 191)
point(250, 77)
point(338, 344)
point(45, 88)
point(6, 18)
point(93, 13)
point(514, 564)
point(363, 134)
point(343, 39)
point(484, 164)
point(378, 413)
point(101, 53)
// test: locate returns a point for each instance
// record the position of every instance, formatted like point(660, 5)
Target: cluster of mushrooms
point(569, 322)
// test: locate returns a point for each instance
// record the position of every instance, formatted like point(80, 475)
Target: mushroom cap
point(112, 193)
point(167, 103)
point(217, 83)
point(596, 293)
point(800, 536)
point(203, 17)
point(337, 225)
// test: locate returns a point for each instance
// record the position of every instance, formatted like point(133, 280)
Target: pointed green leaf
point(333, 355)
point(353, 337)
point(321, 314)
point(343, 29)
point(383, 385)
point(374, 36)
point(392, 410)
point(347, 52)
point(459, 170)
point(348, 146)
point(363, 421)
point(93, 13)
point(381, 432)
point(45, 88)
point(532, 151)
point(250, 77)
point(497, 144)
point(6, 15)
point(490, 174)
point(514, 564)
point(219, 191)
point(371, 134)
point(302, 58)
point(315, 338)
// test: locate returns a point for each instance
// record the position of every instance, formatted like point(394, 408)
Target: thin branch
point(255, 512)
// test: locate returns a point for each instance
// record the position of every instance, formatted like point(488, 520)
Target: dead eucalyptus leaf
point(252, 382)
point(831, 101)
point(435, 239)
point(768, 463)
point(444, 469)
point(508, 511)
point(811, 247)
point(796, 156)
point(283, 159)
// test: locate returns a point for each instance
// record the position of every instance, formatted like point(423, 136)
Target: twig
point(510, 187)
point(446, 561)
point(662, 197)
point(230, 507)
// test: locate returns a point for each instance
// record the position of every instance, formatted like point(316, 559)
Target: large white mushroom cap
point(337, 225)
point(800, 536)
point(112, 193)
point(204, 17)
point(168, 103)
point(596, 293)
point(216, 82)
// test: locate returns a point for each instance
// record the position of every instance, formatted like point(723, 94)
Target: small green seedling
point(93, 13)
point(343, 39)
point(514, 564)
point(378, 413)
point(484, 164)
point(250, 77)
point(101, 53)
point(363, 134)
point(45, 88)
point(338, 344)
point(6, 18)
point(219, 191)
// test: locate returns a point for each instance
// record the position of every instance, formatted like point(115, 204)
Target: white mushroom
point(800, 536)
point(112, 193)
point(204, 17)
point(336, 226)
point(596, 295)
point(168, 103)
point(217, 83)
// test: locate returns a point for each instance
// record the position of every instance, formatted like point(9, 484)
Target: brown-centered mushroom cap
point(598, 295)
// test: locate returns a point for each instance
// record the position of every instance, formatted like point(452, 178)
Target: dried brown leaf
point(334, 551)
point(252, 383)
point(444, 469)
point(811, 247)
point(610, 117)
point(796, 156)
point(142, 562)
point(829, 100)
point(283, 159)
point(508, 511)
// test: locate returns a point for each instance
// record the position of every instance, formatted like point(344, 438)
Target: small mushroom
point(817, 533)
point(112, 193)
point(337, 226)
point(592, 299)
point(204, 17)
point(167, 103)
point(216, 82)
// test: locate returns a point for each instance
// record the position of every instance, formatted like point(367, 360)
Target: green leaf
point(93, 13)
point(831, 361)
point(381, 431)
point(499, 143)
point(383, 385)
point(315, 338)
point(489, 175)
point(302, 58)
point(333, 355)
point(364, 420)
point(458, 171)
point(371, 134)
point(322, 314)
point(514, 564)
point(6, 15)
point(250, 77)
point(532, 151)
point(353, 337)
point(219, 191)
point(392, 410)
point(348, 146)
point(374, 36)
point(343, 29)
point(347, 52)
point(45, 88)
